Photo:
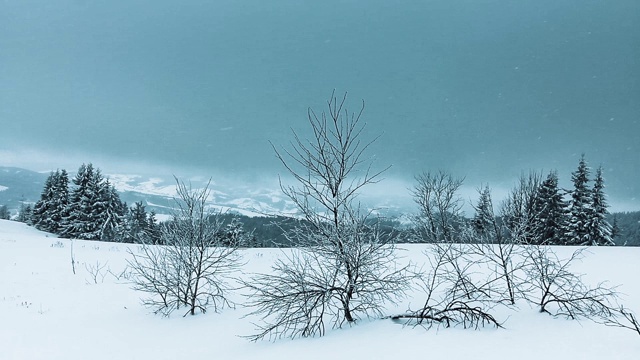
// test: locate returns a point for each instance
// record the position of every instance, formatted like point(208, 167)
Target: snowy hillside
point(47, 312)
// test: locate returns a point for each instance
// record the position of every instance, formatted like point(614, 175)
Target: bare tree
point(193, 268)
point(440, 215)
point(520, 211)
point(343, 268)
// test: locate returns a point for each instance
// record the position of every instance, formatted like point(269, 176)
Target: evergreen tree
point(153, 227)
point(138, 222)
point(110, 212)
point(616, 232)
point(4, 213)
point(41, 215)
point(81, 220)
point(24, 213)
point(60, 199)
point(578, 232)
point(551, 209)
point(233, 233)
point(599, 227)
point(484, 218)
point(48, 212)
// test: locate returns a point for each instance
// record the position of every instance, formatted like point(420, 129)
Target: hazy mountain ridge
point(20, 185)
point(155, 192)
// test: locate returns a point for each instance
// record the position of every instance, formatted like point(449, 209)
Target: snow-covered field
point(47, 312)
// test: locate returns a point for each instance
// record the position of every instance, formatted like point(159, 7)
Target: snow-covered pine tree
point(552, 212)
point(4, 213)
point(616, 232)
point(110, 212)
point(484, 218)
point(599, 226)
point(48, 212)
point(60, 199)
point(138, 222)
point(24, 213)
point(41, 214)
point(578, 232)
point(81, 221)
point(153, 226)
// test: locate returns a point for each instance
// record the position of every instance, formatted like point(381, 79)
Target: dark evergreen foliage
point(552, 211)
point(110, 212)
point(48, 212)
point(4, 213)
point(95, 211)
point(484, 218)
point(628, 224)
point(616, 232)
point(24, 213)
point(137, 222)
point(80, 220)
point(578, 232)
point(599, 226)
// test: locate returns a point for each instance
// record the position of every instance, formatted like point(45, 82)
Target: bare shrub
point(491, 242)
point(96, 271)
point(456, 295)
point(193, 269)
point(125, 274)
point(559, 292)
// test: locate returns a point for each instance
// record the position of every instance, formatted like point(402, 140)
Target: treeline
point(90, 208)
point(536, 211)
point(626, 228)
point(87, 207)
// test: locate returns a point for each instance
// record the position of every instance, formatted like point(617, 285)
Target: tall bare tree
point(343, 268)
point(440, 215)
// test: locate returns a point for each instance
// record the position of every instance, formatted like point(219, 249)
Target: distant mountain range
point(21, 185)
point(18, 185)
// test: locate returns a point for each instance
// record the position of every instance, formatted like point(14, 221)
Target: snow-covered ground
point(47, 312)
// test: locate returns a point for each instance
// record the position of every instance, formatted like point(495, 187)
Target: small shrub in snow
point(192, 270)
point(58, 244)
point(97, 272)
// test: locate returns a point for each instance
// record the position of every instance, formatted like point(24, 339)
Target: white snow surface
point(47, 312)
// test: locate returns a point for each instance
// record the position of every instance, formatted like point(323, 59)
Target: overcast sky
point(482, 89)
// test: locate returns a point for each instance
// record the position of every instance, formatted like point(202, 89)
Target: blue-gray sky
point(483, 89)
